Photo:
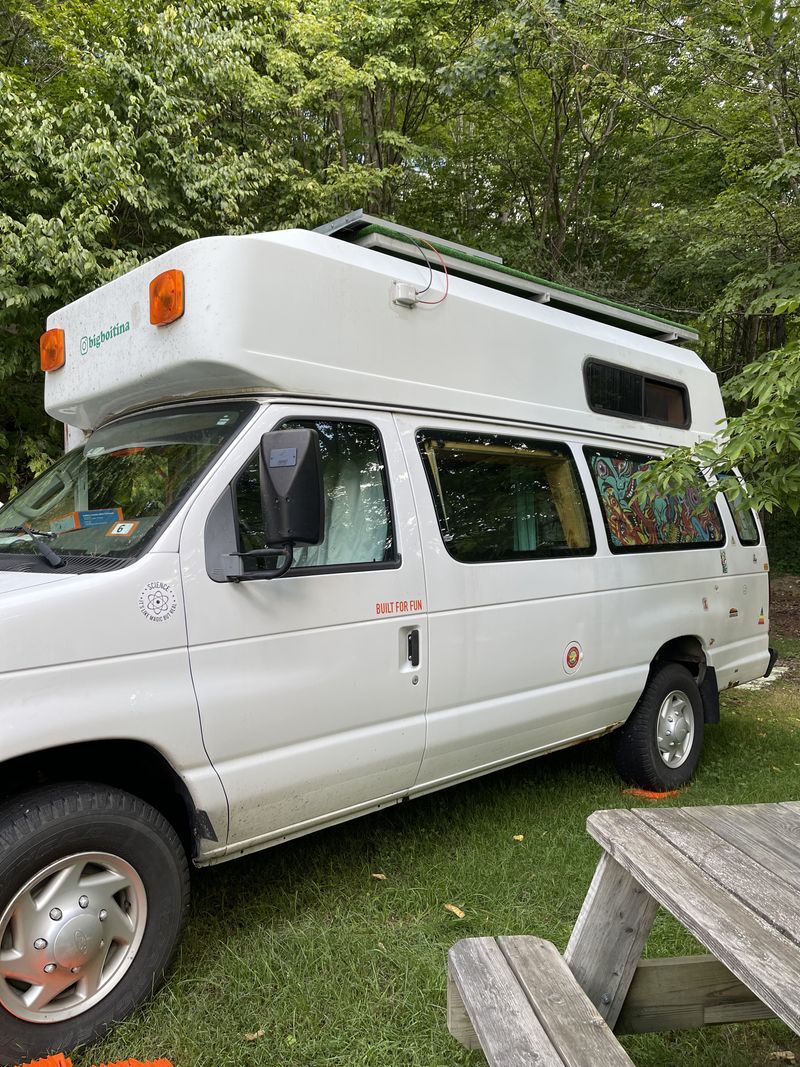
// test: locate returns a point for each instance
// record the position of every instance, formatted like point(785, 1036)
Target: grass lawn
point(303, 947)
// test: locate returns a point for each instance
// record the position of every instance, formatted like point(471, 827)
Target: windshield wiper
point(44, 550)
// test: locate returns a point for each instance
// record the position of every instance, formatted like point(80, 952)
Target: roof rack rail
point(357, 227)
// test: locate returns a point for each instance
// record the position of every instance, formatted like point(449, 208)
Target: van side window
point(678, 520)
point(505, 498)
point(358, 518)
point(614, 390)
point(743, 518)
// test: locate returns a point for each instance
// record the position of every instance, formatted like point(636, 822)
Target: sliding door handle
point(413, 648)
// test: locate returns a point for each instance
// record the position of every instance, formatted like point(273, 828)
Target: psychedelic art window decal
point(677, 520)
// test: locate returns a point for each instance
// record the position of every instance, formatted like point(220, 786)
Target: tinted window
point(358, 521)
point(678, 520)
point(500, 498)
point(614, 390)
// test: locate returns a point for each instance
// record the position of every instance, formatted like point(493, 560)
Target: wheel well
point(130, 765)
point(686, 650)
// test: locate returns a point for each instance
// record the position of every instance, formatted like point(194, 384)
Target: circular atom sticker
point(573, 657)
point(158, 602)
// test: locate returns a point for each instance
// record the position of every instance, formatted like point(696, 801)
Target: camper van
point(349, 515)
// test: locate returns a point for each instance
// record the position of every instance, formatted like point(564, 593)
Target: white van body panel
point(309, 704)
point(84, 663)
point(511, 696)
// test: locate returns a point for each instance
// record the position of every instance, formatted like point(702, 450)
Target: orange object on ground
point(648, 794)
point(60, 1060)
point(50, 1061)
point(138, 1063)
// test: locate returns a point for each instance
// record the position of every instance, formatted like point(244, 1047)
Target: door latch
point(413, 648)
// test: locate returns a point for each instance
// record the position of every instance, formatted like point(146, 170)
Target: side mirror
point(292, 495)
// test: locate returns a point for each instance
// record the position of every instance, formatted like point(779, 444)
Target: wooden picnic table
point(729, 874)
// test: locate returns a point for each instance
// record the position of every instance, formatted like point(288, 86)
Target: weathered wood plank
point(571, 1021)
point(458, 1023)
point(760, 956)
point(609, 935)
point(504, 1022)
point(743, 876)
point(769, 834)
point(686, 992)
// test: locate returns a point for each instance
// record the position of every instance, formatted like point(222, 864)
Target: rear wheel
point(94, 889)
point(659, 746)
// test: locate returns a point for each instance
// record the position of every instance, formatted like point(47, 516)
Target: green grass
point(338, 968)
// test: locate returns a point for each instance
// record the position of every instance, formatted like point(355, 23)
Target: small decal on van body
point(99, 338)
point(573, 657)
point(158, 602)
point(398, 607)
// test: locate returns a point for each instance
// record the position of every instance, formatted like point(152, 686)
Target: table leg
point(609, 936)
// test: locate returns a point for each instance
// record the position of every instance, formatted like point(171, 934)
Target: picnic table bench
point(729, 874)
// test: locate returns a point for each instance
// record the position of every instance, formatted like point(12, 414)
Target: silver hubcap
point(675, 728)
point(69, 935)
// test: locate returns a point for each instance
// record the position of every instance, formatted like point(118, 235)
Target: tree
point(646, 150)
point(128, 128)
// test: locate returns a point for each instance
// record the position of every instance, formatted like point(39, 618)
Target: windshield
point(106, 500)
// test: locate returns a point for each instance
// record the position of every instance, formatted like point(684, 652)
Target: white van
point(343, 526)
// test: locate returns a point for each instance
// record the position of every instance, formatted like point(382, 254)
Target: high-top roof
point(297, 313)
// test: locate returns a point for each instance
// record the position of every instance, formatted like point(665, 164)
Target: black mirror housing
point(292, 496)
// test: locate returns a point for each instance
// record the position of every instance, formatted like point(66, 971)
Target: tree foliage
point(647, 150)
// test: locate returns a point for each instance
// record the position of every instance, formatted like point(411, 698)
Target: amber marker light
point(166, 297)
point(51, 350)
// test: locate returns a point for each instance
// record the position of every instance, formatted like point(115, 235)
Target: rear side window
point(503, 498)
point(612, 390)
point(743, 517)
point(678, 520)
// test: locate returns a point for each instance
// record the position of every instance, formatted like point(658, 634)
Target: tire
point(659, 746)
point(94, 883)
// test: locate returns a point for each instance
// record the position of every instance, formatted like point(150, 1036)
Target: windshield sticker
point(158, 602)
point(122, 529)
point(79, 520)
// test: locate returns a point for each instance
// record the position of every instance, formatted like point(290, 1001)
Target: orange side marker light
point(166, 297)
point(51, 350)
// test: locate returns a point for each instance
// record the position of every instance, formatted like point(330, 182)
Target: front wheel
point(94, 890)
point(659, 746)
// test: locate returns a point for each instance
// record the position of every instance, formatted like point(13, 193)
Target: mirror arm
point(287, 549)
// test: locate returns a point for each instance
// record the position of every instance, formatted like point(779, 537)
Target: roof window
point(612, 390)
